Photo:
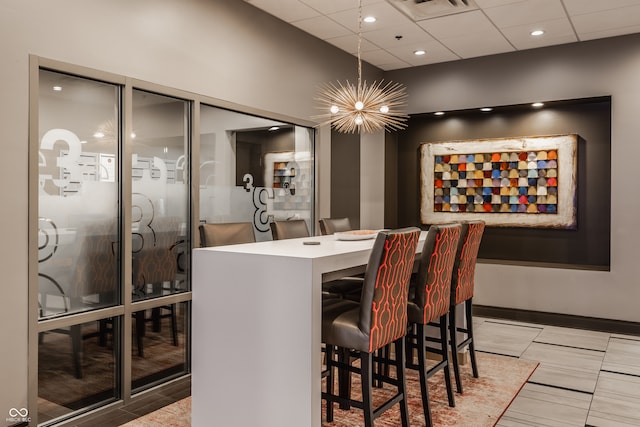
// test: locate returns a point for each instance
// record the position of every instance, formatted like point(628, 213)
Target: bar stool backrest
point(433, 284)
point(383, 305)
point(462, 282)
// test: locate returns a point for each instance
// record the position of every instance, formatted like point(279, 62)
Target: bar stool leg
point(454, 348)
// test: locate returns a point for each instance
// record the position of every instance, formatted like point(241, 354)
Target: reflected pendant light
point(363, 108)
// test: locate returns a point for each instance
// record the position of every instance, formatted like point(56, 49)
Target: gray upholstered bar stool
point(359, 329)
point(429, 302)
point(346, 287)
point(462, 288)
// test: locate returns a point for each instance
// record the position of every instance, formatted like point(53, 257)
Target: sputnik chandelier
point(369, 108)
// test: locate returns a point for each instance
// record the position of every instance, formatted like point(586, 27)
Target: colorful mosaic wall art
point(507, 182)
point(524, 182)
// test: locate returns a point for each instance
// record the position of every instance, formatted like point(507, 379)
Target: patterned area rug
point(484, 401)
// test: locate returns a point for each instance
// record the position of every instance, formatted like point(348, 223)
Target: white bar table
point(256, 343)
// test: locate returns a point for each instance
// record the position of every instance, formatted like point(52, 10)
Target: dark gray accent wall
point(345, 177)
point(586, 247)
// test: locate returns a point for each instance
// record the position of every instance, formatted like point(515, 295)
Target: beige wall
point(224, 49)
point(600, 67)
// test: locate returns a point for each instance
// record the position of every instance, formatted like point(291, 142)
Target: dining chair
point(462, 289)
point(379, 319)
point(227, 233)
point(289, 229)
point(333, 225)
point(154, 266)
point(346, 287)
point(83, 274)
point(430, 293)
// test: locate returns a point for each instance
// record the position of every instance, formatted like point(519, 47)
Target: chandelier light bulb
point(358, 119)
point(334, 109)
point(359, 105)
point(384, 109)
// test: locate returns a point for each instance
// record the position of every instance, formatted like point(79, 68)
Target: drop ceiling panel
point(580, 7)
point(497, 26)
point(349, 43)
point(327, 7)
point(610, 22)
point(478, 44)
point(287, 10)
point(556, 31)
point(436, 52)
point(525, 12)
point(459, 25)
point(493, 3)
point(349, 18)
point(322, 27)
point(387, 37)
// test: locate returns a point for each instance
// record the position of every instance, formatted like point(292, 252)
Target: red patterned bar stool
point(462, 287)
point(429, 302)
point(379, 319)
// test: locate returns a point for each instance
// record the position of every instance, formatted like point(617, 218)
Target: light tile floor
point(585, 378)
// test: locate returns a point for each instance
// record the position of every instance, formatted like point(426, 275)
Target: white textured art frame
point(566, 147)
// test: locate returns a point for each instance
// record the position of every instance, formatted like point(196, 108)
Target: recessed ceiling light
point(537, 104)
point(98, 134)
point(273, 128)
point(57, 88)
point(439, 113)
point(419, 52)
point(369, 19)
point(486, 109)
point(537, 32)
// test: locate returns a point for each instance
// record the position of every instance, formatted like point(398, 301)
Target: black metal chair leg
point(76, 346)
point(329, 363)
point(402, 381)
point(444, 329)
point(174, 324)
point(422, 370)
point(472, 347)
point(344, 377)
point(454, 348)
point(367, 385)
point(140, 326)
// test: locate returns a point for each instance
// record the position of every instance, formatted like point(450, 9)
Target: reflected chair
point(429, 302)
point(333, 225)
point(290, 229)
point(379, 319)
point(83, 274)
point(462, 288)
point(154, 265)
point(229, 233)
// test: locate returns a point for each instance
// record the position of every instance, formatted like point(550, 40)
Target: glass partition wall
point(254, 170)
point(117, 219)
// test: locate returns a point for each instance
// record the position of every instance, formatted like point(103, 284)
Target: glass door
point(78, 244)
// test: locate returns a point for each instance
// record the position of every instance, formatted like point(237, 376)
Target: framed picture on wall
point(509, 182)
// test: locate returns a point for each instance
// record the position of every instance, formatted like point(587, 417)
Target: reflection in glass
point(159, 350)
point(78, 189)
point(76, 368)
point(160, 195)
point(254, 170)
